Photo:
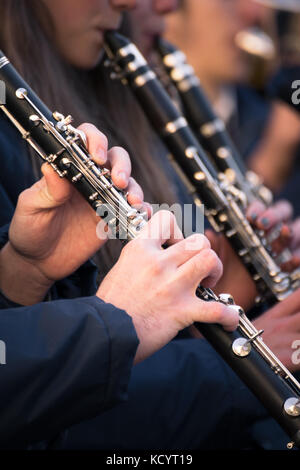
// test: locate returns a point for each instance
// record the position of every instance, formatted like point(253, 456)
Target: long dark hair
point(89, 96)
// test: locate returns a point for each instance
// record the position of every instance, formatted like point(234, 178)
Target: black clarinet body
point(57, 143)
point(208, 128)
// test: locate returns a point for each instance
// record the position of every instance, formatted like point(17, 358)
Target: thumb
point(53, 190)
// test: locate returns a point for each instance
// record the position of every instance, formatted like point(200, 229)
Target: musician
point(57, 55)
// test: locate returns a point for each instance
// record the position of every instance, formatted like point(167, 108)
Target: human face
point(148, 21)
point(79, 27)
point(206, 31)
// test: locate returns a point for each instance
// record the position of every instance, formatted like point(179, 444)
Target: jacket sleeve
point(82, 283)
point(61, 362)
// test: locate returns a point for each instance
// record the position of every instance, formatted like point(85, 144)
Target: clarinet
point(221, 199)
point(57, 142)
point(208, 128)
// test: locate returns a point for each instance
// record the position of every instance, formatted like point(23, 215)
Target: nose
point(165, 6)
point(123, 4)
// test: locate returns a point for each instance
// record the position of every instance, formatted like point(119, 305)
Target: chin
point(88, 61)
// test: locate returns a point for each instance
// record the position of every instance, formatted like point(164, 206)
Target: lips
point(108, 27)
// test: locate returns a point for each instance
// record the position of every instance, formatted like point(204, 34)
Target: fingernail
point(285, 231)
point(296, 262)
point(123, 176)
point(101, 154)
point(265, 222)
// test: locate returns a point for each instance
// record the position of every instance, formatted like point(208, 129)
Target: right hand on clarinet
point(157, 287)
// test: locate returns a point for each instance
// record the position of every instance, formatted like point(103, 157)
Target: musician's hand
point(295, 241)
point(266, 219)
point(281, 325)
point(53, 230)
point(235, 279)
point(157, 287)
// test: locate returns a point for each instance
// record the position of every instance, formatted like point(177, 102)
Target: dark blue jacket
point(15, 169)
point(65, 361)
point(247, 125)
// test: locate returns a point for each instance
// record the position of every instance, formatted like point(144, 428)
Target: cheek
point(64, 14)
point(71, 17)
point(75, 36)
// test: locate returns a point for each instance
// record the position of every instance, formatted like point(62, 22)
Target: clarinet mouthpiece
point(114, 41)
point(164, 47)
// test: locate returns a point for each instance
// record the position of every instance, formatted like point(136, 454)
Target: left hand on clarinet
point(53, 231)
